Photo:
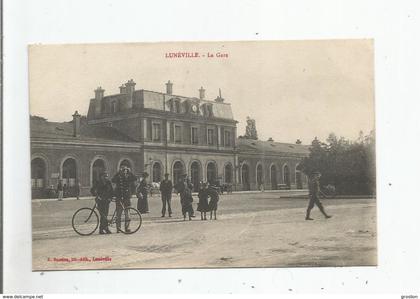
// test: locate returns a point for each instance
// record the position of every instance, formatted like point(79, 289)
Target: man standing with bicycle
point(314, 191)
point(103, 191)
point(123, 181)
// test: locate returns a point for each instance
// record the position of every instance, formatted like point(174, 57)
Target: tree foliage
point(349, 166)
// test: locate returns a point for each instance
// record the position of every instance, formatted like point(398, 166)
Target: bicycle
point(85, 221)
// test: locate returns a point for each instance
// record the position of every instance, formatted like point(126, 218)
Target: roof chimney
point(99, 93)
point(123, 89)
point(169, 87)
point(130, 90)
point(202, 93)
point(76, 124)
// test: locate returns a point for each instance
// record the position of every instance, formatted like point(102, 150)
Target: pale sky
point(293, 89)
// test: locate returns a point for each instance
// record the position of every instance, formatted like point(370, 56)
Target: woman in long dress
point(203, 201)
point(142, 192)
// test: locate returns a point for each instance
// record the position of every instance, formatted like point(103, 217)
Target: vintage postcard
point(203, 155)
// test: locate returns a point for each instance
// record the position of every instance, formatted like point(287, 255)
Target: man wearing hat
point(166, 193)
point(123, 181)
point(314, 191)
point(184, 187)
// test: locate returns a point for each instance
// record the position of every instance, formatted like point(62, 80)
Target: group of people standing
point(124, 181)
point(184, 188)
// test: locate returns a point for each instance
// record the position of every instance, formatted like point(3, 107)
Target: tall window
point(178, 135)
point(227, 138)
point(210, 136)
point(114, 107)
point(194, 135)
point(156, 132)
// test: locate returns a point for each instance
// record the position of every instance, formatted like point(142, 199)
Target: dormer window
point(114, 107)
point(177, 107)
point(207, 110)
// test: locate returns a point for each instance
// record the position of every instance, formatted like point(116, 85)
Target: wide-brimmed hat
point(166, 174)
point(145, 174)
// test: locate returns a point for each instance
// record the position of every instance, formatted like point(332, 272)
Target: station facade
point(158, 133)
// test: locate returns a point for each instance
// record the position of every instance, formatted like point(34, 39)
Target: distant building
point(157, 132)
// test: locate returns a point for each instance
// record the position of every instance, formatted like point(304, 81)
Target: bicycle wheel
point(85, 221)
point(130, 220)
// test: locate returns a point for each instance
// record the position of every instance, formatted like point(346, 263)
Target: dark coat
point(214, 199)
point(314, 187)
point(203, 201)
point(166, 187)
point(102, 189)
point(123, 184)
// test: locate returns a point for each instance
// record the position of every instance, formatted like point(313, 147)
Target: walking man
point(314, 191)
point(123, 180)
point(166, 193)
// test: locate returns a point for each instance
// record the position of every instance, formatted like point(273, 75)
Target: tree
point(349, 166)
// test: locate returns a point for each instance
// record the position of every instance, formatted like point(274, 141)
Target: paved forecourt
point(264, 229)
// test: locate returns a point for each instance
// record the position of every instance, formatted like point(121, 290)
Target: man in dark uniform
point(183, 187)
point(103, 191)
point(123, 180)
point(166, 194)
point(314, 191)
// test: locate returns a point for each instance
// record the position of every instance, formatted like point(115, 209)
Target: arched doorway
point(98, 167)
point(177, 171)
point(286, 176)
point(126, 163)
point(298, 178)
point(195, 175)
point(211, 173)
point(38, 177)
point(273, 175)
point(245, 177)
point(228, 174)
point(156, 172)
point(69, 176)
point(259, 176)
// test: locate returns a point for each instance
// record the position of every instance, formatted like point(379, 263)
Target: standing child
point(203, 202)
point(214, 199)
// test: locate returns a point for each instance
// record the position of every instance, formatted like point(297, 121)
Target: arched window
point(157, 172)
point(286, 175)
point(273, 174)
point(259, 175)
point(69, 176)
point(38, 173)
point(228, 174)
point(98, 167)
point(211, 173)
point(245, 177)
point(177, 171)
